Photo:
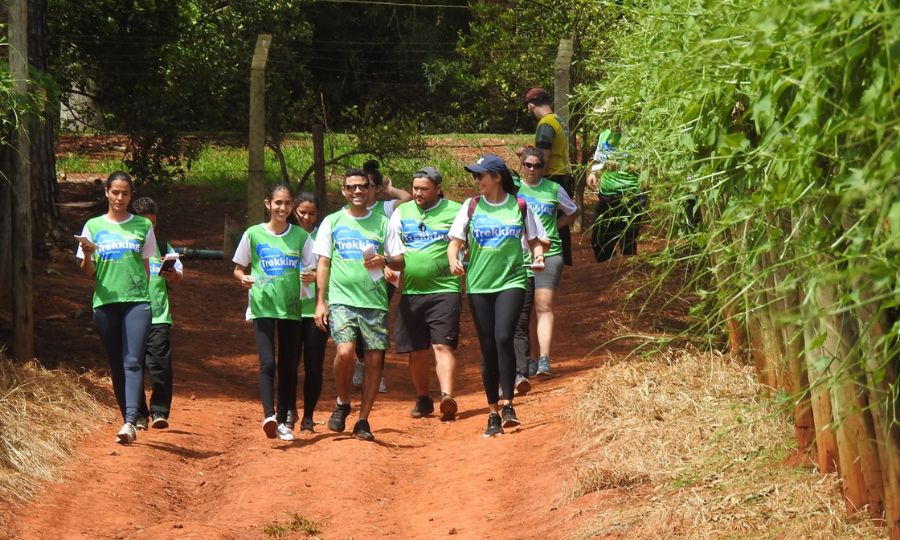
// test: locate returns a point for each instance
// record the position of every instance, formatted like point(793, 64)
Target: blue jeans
point(123, 328)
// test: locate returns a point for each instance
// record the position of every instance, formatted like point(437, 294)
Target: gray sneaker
point(358, 374)
point(127, 434)
point(382, 388)
point(543, 368)
point(522, 385)
point(285, 433)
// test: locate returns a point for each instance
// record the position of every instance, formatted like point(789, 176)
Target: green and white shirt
point(120, 275)
point(425, 235)
point(343, 239)
point(275, 261)
point(308, 304)
point(543, 200)
point(614, 183)
point(159, 289)
point(497, 236)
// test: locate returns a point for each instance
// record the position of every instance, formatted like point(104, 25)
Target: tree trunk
point(860, 468)
point(44, 187)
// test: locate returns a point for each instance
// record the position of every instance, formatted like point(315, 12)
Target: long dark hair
point(371, 169)
point(302, 197)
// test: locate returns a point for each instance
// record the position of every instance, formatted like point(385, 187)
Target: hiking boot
point(382, 388)
point(543, 368)
point(159, 422)
point(338, 420)
point(494, 426)
point(448, 408)
point(127, 434)
point(285, 433)
point(423, 407)
point(509, 417)
point(358, 374)
point(306, 424)
point(290, 419)
point(141, 423)
point(362, 431)
point(532, 367)
point(270, 426)
point(522, 385)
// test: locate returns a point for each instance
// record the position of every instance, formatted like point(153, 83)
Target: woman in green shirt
point(114, 249)
point(494, 227)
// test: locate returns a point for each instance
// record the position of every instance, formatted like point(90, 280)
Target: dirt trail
point(213, 474)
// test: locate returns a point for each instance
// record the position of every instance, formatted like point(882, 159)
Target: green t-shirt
point(543, 200)
point(308, 305)
point(425, 236)
point(275, 264)
point(613, 183)
point(120, 275)
point(495, 247)
point(159, 290)
point(343, 238)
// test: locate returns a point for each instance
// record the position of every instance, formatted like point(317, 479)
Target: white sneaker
point(358, 374)
point(127, 434)
point(270, 426)
point(382, 388)
point(285, 433)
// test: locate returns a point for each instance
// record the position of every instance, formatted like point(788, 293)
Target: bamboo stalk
point(820, 400)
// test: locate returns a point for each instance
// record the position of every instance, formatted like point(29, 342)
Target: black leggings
point(618, 222)
point(288, 346)
point(522, 339)
point(495, 316)
point(313, 348)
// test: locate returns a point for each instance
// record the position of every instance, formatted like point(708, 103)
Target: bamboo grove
point(776, 124)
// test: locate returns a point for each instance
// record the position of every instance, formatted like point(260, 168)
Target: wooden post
point(561, 81)
point(23, 308)
point(318, 133)
point(257, 140)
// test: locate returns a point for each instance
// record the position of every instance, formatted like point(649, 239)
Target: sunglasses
point(532, 166)
point(479, 176)
point(356, 187)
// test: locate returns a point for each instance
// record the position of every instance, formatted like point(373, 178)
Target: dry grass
point(692, 451)
point(42, 413)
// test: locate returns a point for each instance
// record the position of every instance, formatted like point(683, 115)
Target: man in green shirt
point(354, 246)
point(428, 316)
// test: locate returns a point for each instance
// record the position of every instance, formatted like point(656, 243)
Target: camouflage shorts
point(348, 324)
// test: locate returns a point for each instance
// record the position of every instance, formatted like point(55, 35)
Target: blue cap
point(487, 163)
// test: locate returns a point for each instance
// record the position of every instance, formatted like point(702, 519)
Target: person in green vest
point(428, 315)
point(115, 250)
point(547, 200)
point(379, 186)
point(496, 228)
point(354, 245)
point(312, 338)
point(551, 138)
point(268, 262)
point(621, 202)
point(158, 357)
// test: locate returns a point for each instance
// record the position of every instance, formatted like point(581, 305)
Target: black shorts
point(426, 319)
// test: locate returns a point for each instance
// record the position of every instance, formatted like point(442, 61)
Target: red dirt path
point(213, 474)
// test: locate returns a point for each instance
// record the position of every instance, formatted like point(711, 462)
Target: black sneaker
point(493, 427)
point(423, 407)
point(338, 420)
point(159, 422)
point(509, 417)
point(290, 418)
point(362, 431)
point(306, 424)
point(141, 423)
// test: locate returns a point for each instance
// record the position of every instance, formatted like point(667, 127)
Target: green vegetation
point(296, 524)
point(781, 122)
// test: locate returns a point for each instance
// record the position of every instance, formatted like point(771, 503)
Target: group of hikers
point(309, 278)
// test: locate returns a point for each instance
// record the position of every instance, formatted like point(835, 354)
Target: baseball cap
point(430, 173)
point(487, 163)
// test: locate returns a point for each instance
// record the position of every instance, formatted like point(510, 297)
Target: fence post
point(257, 138)
point(22, 280)
point(318, 133)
